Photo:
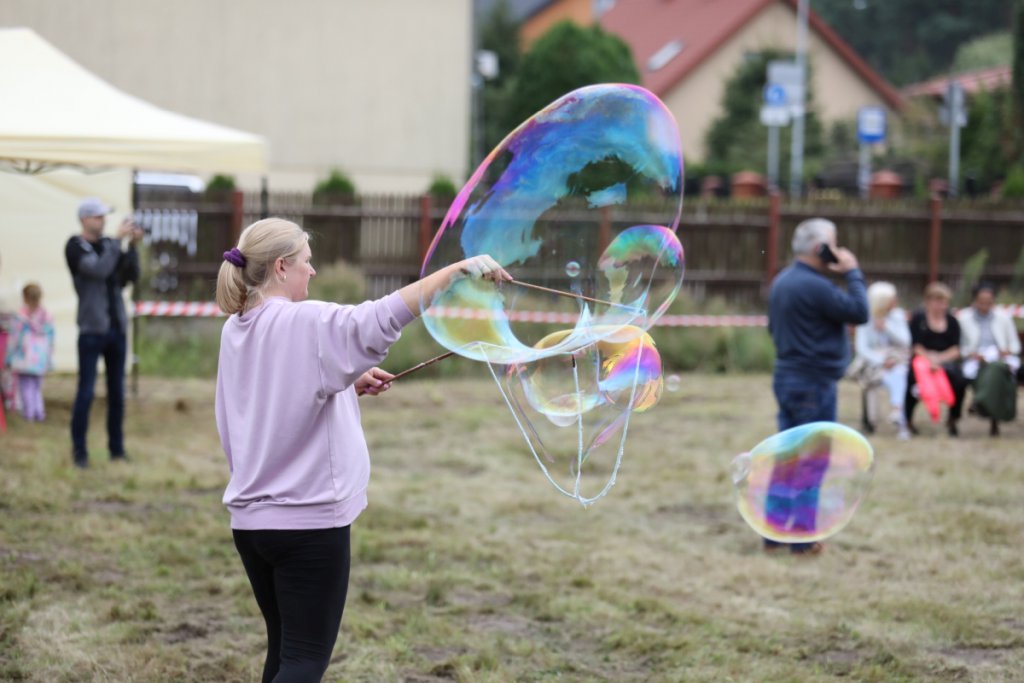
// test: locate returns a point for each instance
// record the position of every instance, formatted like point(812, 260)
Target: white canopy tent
point(66, 134)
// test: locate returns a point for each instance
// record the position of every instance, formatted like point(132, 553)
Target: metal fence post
point(934, 237)
point(237, 216)
point(426, 226)
point(771, 251)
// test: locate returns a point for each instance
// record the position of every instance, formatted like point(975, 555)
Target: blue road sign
point(774, 94)
point(871, 125)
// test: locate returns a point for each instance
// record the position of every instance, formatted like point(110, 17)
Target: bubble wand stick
point(571, 295)
point(527, 285)
point(420, 366)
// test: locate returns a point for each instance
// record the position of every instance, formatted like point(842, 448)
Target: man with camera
point(807, 318)
point(100, 269)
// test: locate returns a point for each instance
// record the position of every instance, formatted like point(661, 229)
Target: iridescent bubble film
point(549, 204)
point(803, 484)
point(574, 409)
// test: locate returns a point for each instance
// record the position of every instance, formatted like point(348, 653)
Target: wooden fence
point(732, 248)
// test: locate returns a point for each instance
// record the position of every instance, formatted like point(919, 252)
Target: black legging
point(957, 382)
point(300, 580)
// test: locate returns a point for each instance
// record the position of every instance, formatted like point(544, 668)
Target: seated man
point(991, 351)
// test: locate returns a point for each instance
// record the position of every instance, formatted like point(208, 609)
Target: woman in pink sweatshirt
point(288, 378)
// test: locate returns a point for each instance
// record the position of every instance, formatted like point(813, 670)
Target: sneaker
point(119, 457)
point(952, 429)
point(896, 417)
point(903, 434)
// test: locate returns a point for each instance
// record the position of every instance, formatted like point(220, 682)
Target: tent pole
point(135, 298)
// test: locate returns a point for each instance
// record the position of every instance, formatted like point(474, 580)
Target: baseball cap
point(91, 206)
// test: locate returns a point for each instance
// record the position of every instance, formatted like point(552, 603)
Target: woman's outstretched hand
point(373, 382)
point(483, 267)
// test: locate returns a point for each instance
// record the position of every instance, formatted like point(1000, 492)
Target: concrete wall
point(378, 88)
point(838, 90)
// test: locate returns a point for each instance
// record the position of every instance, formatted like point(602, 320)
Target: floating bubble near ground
point(803, 484)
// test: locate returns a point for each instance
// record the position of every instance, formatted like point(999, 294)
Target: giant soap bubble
point(574, 409)
point(803, 484)
point(545, 205)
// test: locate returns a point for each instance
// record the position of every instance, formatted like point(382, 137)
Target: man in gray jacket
point(100, 270)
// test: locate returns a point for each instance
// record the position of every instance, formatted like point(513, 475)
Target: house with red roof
point(687, 50)
point(972, 82)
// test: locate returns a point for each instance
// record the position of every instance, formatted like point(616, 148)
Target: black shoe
point(951, 428)
point(912, 429)
point(868, 427)
point(79, 459)
point(119, 457)
point(993, 430)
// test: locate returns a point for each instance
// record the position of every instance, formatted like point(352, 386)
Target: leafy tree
point(910, 40)
point(499, 34)
point(567, 57)
point(985, 154)
point(737, 140)
point(985, 52)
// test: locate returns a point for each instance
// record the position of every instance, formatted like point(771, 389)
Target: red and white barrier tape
point(208, 309)
point(177, 309)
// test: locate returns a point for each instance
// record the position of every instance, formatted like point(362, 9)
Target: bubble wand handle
point(570, 295)
point(420, 366)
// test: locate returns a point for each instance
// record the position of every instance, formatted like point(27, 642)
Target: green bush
point(970, 276)
point(179, 347)
point(220, 183)
point(1013, 187)
point(337, 184)
point(340, 282)
point(442, 186)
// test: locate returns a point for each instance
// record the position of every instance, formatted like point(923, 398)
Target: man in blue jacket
point(100, 270)
point(808, 315)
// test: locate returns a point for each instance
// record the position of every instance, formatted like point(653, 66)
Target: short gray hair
point(811, 232)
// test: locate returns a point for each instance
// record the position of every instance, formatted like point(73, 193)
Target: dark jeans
point(801, 400)
point(300, 580)
point(113, 347)
point(957, 382)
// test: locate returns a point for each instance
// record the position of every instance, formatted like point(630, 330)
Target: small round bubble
point(672, 383)
point(572, 269)
point(803, 484)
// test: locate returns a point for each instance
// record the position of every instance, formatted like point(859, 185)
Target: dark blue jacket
point(807, 317)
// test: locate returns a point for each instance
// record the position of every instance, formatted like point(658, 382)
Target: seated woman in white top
point(883, 348)
point(991, 351)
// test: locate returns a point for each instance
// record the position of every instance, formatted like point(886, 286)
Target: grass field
point(468, 566)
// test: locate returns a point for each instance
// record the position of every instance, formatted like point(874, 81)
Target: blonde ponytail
point(241, 279)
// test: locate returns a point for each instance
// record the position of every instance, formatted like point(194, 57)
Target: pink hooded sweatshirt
point(287, 410)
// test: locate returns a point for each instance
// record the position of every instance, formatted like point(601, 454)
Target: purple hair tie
point(235, 257)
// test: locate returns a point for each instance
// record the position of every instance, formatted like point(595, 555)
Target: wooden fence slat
point(732, 248)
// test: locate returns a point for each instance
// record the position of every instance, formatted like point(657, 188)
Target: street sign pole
point(955, 102)
point(773, 157)
point(864, 170)
point(796, 167)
